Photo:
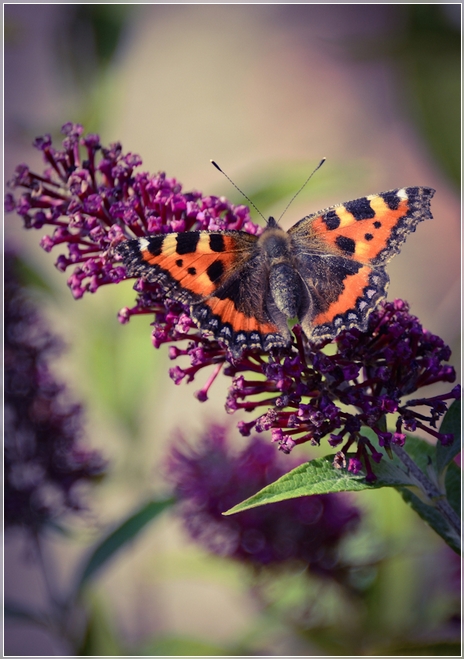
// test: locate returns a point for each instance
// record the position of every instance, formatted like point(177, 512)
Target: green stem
point(437, 498)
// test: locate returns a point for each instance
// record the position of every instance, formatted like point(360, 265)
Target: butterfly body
point(328, 270)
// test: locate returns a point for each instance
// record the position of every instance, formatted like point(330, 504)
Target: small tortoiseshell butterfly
point(328, 270)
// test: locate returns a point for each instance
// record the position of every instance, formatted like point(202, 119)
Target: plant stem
point(437, 498)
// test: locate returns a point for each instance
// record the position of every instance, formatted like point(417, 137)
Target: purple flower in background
point(94, 199)
point(44, 460)
point(210, 478)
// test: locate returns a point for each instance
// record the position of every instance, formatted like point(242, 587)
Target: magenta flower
point(93, 201)
point(210, 478)
point(303, 392)
point(307, 392)
point(44, 458)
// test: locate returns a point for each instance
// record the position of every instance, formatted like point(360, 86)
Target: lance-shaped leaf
point(321, 477)
point(120, 536)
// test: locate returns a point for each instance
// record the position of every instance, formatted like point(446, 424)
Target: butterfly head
point(272, 223)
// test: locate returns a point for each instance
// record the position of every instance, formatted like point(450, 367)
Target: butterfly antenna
point(237, 188)
point(304, 184)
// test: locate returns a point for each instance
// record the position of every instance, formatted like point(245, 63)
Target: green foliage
point(117, 361)
point(91, 37)
point(450, 424)
point(120, 537)
point(426, 47)
point(438, 460)
point(432, 516)
point(319, 476)
point(33, 279)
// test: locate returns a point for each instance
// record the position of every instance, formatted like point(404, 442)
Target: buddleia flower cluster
point(210, 477)
point(93, 197)
point(45, 458)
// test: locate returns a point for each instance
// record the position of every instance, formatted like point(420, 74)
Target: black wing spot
point(377, 224)
point(331, 220)
point(360, 209)
point(391, 199)
point(216, 242)
point(155, 245)
point(192, 271)
point(215, 270)
point(347, 245)
point(368, 236)
point(187, 242)
point(179, 263)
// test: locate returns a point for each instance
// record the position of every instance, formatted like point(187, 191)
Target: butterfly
point(327, 271)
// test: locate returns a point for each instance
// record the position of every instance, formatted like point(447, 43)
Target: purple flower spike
point(210, 478)
point(44, 459)
point(93, 199)
point(306, 390)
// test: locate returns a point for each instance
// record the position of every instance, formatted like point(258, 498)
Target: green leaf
point(432, 516)
point(123, 534)
point(451, 424)
point(420, 451)
point(453, 487)
point(425, 456)
point(320, 477)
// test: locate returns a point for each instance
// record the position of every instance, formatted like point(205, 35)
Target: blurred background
point(266, 91)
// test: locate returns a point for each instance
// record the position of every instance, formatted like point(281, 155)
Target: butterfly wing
point(342, 252)
point(218, 274)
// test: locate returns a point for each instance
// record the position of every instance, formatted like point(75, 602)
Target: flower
point(314, 393)
point(93, 200)
point(308, 390)
point(44, 460)
point(210, 478)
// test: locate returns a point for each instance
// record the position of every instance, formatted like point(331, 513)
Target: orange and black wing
point(342, 252)
point(217, 274)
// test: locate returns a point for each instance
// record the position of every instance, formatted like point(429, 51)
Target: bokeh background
point(267, 91)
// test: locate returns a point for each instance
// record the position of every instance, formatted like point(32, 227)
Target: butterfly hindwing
point(237, 312)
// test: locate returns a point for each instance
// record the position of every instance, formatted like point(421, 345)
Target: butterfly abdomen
point(285, 284)
point(287, 289)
